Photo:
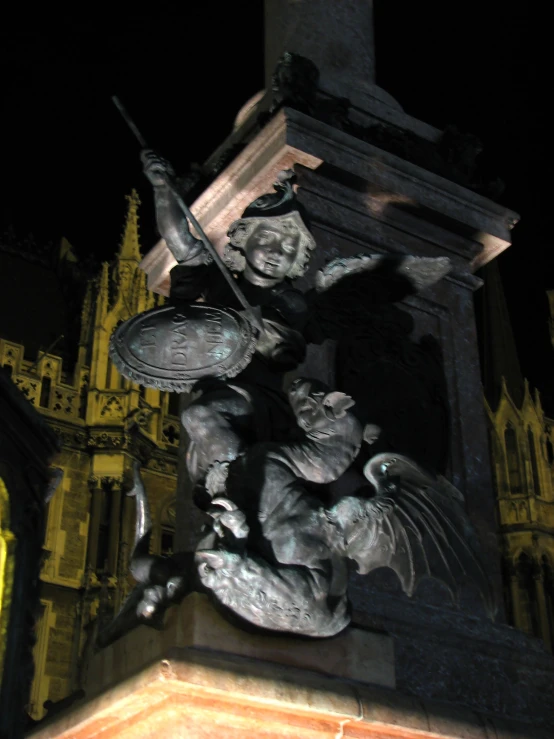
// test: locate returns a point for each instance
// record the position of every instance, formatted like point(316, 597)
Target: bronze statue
point(278, 550)
point(278, 557)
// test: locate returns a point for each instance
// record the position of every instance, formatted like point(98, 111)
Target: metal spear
point(250, 313)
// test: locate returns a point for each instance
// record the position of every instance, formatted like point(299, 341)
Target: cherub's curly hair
point(240, 231)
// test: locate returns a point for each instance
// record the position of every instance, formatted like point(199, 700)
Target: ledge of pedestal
point(356, 654)
point(199, 694)
point(293, 138)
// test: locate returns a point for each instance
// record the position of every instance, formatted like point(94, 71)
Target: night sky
point(184, 70)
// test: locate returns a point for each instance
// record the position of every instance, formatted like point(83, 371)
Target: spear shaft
point(251, 315)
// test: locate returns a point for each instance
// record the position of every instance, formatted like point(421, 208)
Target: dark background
point(184, 70)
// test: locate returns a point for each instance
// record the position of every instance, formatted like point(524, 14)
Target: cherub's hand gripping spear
point(250, 313)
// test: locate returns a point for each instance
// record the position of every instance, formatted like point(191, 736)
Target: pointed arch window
point(549, 451)
point(103, 533)
point(173, 404)
point(548, 579)
point(533, 458)
point(512, 458)
point(45, 392)
point(528, 595)
point(167, 529)
point(114, 380)
point(495, 459)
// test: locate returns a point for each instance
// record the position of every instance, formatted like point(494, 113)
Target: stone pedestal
point(217, 682)
point(356, 654)
point(361, 198)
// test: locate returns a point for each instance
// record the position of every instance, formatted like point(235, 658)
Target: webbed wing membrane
point(418, 528)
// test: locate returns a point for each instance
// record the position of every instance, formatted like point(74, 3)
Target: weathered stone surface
point(201, 695)
point(392, 185)
point(392, 708)
point(356, 654)
point(443, 654)
point(362, 198)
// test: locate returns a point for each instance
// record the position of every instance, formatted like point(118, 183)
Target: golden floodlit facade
point(7, 546)
point(103, 422)
point(521, 442)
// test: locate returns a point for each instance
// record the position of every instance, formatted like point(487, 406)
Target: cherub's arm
point(172, 224)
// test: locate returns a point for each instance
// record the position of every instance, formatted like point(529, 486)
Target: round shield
point(174, 346)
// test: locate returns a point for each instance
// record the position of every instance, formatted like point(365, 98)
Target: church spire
point(129, 248)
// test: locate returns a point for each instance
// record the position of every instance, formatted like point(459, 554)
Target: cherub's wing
point(396, 381)
point(349, 289)
point(417, 526)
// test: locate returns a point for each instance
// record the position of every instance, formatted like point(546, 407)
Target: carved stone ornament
point(172, 347)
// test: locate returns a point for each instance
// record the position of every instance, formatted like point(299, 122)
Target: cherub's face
point(271, 252)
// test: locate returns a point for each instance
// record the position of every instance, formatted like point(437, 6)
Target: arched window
point(103, 533)
point(528, 595)
point(548, 579)
point(173, 404)
point(512, 459)
point(45, 391)
point(167, 532)
point(549, 451)
point(109, 372)
point(495, 459)
point(533, 457)
point(114, 380)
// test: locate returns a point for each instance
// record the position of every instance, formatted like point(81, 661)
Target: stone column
point(336, 36)
point(125, 550)
point(541, 603)
point(515, 595)
point(94, 525)
point(115, 516)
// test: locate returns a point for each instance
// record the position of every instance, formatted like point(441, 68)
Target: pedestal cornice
point(292, 138)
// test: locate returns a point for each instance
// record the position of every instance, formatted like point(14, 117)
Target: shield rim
point(246, 349)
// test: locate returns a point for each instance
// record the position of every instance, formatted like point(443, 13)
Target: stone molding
point(292, 138)
point(201, 694)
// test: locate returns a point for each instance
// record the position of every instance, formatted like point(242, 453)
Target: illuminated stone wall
point(521, 443)
point(7, 545)
point(103, 423)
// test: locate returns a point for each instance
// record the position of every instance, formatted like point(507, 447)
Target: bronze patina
point(172, 347)
point(281, 537)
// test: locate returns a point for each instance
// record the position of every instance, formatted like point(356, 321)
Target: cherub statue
point(269, 247)
point(279, 547)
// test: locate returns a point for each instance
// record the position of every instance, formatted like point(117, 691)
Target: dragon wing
point(416, 525)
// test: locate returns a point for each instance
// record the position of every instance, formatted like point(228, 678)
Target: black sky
point(184, 70)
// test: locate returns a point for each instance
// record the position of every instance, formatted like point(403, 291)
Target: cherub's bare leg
point(219, 425)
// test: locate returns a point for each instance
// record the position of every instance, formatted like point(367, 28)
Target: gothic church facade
point(103, 422)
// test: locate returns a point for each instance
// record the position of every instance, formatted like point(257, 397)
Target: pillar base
point(356, 654)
